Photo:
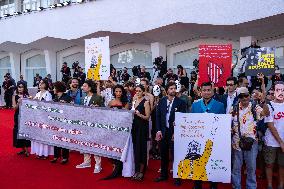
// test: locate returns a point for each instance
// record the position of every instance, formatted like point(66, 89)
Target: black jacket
point(161, 112)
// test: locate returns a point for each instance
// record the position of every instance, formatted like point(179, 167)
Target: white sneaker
point(83, 165)
point(97, 170)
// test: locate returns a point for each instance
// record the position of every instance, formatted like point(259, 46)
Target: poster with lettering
point(260, 60)
point(215, 63)
point(202, 147)
point(97, 58)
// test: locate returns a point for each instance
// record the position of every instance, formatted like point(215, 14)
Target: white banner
point(97, 58)
point(202, 147)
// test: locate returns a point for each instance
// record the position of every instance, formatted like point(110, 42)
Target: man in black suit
point(165, 117)
point(230, 98)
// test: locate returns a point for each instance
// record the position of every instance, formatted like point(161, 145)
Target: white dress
point(36, 147)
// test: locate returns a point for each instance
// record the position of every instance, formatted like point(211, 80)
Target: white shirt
point(87, 100)
point(230, 100)
point(46, 96)
point(169, 108)
point(277, 117)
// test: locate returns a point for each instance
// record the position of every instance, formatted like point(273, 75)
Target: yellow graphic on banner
point(94, 70)
point(195, 169)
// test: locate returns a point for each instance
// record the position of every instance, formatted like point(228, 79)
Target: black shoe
point(116, 173)
point(64, 161)
point(160, 179)
point(177, 182)
point(54, 160)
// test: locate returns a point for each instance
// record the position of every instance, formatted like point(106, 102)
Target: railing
point(7, 9)
point(34, 5)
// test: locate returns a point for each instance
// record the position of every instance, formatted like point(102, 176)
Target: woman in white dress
point(42, 150)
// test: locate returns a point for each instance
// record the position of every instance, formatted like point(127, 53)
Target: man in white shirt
point(274, 136)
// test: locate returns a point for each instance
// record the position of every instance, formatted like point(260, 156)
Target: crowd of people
point(257, 117)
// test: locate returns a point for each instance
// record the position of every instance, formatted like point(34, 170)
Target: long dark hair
point(123, 98)
point(91, 84)
point(25, 91)
point(45, 83)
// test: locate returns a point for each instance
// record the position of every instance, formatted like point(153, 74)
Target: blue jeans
point(250, 159)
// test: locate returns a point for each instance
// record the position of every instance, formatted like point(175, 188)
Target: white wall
point(125, 47)
point(128, 16)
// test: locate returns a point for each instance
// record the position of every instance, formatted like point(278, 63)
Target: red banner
point(215, 62)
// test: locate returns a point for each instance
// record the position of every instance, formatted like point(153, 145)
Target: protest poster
point(97, 58)
point(101, 131)
point(215, 63)
point(260, 60)
point(202, 147)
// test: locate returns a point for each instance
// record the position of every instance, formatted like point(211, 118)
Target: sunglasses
point(241, 96)
point(231, 85)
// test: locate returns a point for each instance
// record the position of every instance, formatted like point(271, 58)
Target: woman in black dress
point(140, 132)
point(21, 92)
point(120, 102)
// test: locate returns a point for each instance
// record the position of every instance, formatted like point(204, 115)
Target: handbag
point(245, 143)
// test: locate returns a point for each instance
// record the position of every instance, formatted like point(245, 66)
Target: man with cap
point(244, 137)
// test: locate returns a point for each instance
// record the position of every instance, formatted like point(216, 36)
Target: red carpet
point(27, 172)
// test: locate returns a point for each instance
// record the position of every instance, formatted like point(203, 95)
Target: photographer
point(125, 76)
point(170, 75)
point(76, 67)
point(37, 79)
point(144, 74)
point(66, 73)
point(81, 76)
point(136, 71)
point(113, 74)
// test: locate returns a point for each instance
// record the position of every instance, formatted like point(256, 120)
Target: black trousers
point(57, 152)
point(167, 147)
point(8, 99)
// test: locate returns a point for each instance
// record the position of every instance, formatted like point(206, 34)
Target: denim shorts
point(273, 153)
